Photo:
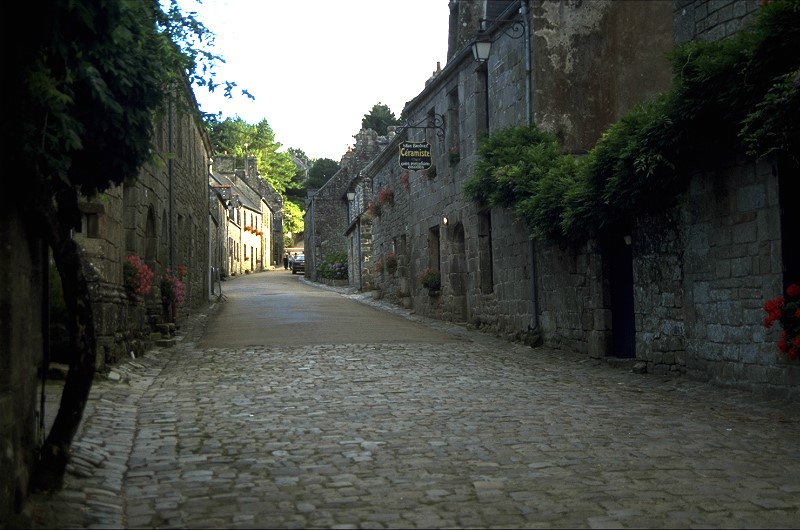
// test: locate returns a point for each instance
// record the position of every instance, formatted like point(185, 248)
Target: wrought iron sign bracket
point(434, 122)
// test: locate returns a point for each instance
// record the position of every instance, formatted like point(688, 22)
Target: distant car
point(299, 264)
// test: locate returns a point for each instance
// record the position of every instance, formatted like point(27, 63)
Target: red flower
point(786, 311)
point(774, 309)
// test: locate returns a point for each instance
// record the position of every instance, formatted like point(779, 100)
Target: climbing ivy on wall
point(736, 97)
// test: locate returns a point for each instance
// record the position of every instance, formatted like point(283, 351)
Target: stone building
point(245, 233)
point(678, 293)
point(160, 217)
point(328, 226)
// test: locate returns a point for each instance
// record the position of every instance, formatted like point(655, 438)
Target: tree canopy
point(236, 137)
point(379, 118)
point(322, 169)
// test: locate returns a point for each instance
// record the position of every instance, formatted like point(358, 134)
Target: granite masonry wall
point(22, 286)
point(162, 217)
point(699, 274)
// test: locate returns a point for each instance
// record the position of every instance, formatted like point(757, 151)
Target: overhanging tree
point(87, 81)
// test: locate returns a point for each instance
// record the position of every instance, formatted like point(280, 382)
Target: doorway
point(623, 324)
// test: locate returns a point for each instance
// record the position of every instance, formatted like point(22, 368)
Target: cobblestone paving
point(473, 433)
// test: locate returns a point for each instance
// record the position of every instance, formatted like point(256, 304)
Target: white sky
point(316, 67)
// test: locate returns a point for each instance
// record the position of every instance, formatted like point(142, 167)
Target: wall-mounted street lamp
point(481, 47)
point(351, 196)
point(513, 28)
point(482, 44)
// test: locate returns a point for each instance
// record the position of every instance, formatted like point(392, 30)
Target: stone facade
point(679, 293)
point(328, 227)
point(161, 217)
point(245, 232)
point(710, 21)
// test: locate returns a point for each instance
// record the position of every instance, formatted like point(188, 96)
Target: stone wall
point(161, 217)
point(695, 277)
point(732, 265)
point(593, 60)
point(328, 213)
point(21, 345)
point(710, 20)
point(659, 298)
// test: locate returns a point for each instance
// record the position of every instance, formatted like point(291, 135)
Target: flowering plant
point(137, 276)
point(334, 266)
point(404, 180)
point(374, 209)
point(172, 288)
point(385, 196)
point(378, 267)
point(431, 279)
point(787, 312)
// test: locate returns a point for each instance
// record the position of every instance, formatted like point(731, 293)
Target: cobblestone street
point(462, 430)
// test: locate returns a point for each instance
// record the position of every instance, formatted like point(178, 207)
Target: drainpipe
point(171, 178)
point(523, 11)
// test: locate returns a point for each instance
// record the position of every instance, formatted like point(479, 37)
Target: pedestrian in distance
point(286, 261)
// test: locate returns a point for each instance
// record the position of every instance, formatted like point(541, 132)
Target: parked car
point(298, 263)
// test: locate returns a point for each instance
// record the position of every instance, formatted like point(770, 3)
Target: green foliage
point(736, 97)
point(511, 160)
point(88, 80)
point(379, 119)
point(292, 218)
point(322, 169)
point(334, 266)
point(239, 138)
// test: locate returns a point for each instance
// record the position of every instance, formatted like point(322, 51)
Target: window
point(433, 248)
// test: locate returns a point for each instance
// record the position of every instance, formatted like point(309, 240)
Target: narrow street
point(293, 405)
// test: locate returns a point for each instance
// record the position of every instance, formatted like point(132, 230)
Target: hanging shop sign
point(415, 155)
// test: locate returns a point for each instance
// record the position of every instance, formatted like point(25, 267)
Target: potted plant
point(454, 155)
point(386, 196)
point(431, 279)
point(374, 209)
